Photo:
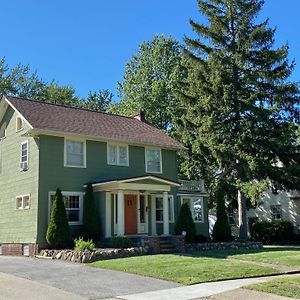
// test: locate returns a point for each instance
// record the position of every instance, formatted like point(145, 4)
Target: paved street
point(91, 283)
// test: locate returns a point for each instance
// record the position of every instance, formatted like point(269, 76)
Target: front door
point(130, 214)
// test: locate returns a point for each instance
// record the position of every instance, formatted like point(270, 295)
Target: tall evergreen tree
point(98, 101)
point(238, 108)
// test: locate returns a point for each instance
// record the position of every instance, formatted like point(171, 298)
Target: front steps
point(166, 245)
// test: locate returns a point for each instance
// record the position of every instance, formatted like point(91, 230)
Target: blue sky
point(86, 44)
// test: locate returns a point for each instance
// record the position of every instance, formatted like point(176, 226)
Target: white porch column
point(166, 213)
point(153, 214)
point(121, 219)
point(108, 214)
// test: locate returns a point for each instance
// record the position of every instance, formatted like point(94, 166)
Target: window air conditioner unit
point(23, 166)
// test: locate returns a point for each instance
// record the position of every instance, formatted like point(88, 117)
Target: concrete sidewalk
point(206, 290)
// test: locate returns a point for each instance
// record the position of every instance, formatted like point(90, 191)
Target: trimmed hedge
point(275, 231)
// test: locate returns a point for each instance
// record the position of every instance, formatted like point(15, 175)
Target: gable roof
point(50, 119)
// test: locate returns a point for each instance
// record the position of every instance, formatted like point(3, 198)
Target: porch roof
point(139, 183)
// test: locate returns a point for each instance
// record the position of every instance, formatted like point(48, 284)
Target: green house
point(132, 165)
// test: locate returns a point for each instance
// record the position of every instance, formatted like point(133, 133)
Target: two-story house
point(132, 166)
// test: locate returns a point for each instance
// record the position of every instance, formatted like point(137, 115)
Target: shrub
point(91, 222)
point(222, 229)
point(201, 238)
point(274, 231)
point(121, 242)
point(185, 223)
point(81, 245)
point(58, 232)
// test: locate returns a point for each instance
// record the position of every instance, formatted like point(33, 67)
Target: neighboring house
point(132, 165)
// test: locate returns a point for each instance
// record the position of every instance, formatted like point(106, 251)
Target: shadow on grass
point(226, 253)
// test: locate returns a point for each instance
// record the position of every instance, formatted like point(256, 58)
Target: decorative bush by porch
point(91, 222)
point(185, 223)
point(275, 231)
point(221, 230)
point(81, 245)
point(58, 232)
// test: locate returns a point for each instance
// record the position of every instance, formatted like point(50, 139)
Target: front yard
point(206, 266)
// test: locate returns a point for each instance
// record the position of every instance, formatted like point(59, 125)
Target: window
point(24, 156)
point(231, 219)
point(75, 154)
point(117, 155)
point(196, 207)
point(23, 202)
point(159, 208)
point(3, 131)
point(19, 124)
point(153, 160)
point(73, 205)
point(276, 212)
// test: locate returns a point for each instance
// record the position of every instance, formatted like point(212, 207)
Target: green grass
point(287, 287)
point(185, 269)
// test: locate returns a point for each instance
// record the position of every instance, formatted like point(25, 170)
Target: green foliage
point(58, 233)
point(121, 242)
point(236, 107)
point(91, 221)
point(98, 101)
point(185, 223)
point(81, 245)
point(222, 229)
point(274, 231)
point(149, 81)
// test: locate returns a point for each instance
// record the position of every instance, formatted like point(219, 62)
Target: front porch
point(137, 206)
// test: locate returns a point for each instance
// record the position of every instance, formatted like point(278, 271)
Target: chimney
point(140, 116)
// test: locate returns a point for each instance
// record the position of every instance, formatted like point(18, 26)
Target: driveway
point(88, 282)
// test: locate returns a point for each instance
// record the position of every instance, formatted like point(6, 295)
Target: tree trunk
point(243, 228)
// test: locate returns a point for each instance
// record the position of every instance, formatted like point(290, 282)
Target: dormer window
point(3, 130)
point(19, 124)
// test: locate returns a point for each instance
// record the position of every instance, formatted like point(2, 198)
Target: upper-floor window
point(23, 202)
point(75, 153)
point(196, 207)
point(3, 130)
point(153, 160)
point(24, 156)
point(19, 124)
point(117, 155)
point(276, 212)
point(74, 206)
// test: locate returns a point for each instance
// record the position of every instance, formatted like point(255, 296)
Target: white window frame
point(118, 154)
point(68, 193)
point(66, 140)
point(22, 127)
point(191, 200)
point(277, 206)
point(3, 128)
point(171, 210)
point(23, 207)
point(27, 158)
point(146, 159)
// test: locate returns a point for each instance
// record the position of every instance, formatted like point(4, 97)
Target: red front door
point(130, 214)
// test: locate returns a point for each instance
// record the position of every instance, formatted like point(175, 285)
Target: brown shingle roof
point(51, 117)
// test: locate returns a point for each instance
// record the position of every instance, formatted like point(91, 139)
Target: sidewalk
point(228, 289)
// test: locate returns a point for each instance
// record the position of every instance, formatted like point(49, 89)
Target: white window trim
point(23, 196)
point(146, 160)
point(22, 126)
point(68, 193)
point(171, 212)
point(23, 143)
point(118, 157)
point(191, 198)
point(65, 152)
point(271, 211)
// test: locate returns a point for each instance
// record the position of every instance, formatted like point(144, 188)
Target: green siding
point(53, 174)
point(19, 226)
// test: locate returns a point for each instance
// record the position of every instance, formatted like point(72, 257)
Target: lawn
point(185, 269)
point(287, 287)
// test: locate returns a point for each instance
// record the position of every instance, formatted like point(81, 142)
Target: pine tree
point(221, 230)
point(238, 111)
point(58, 232)
point(91, 222)
point(185, 223)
